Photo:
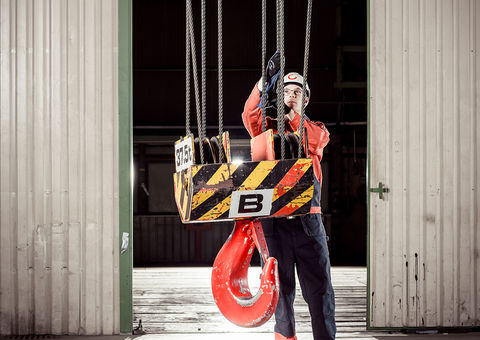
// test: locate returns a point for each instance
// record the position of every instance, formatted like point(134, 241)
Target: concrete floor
point(250, 334)
point(263, 336)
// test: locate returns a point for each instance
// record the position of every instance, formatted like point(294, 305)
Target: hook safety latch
point(230, 277)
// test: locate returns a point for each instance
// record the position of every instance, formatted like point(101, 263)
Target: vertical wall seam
point(405, 193)
point(14, 168)
point(474, 160)
point(54, 218)
point(388, 170)
point(65, 189)
point(14, 125)
point(456, 163)
point(112, 69)
point(2, 172)
point(99, 165)
point(6, 143)
point(6, 280)
point(371, 100)
point(30, 97)
point(36, 173)
point(477, 157)
point(83, 158)
point(421, 292)
point(439, 141)
point(441, 171)
point(51, 166)
point(115, 163)
point(114, 204)
point(37, 155)
point(48, 214)
point(71, 319)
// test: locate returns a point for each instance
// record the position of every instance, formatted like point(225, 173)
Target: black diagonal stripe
point(304, 209)
point(180, 185)
point(224, 215)
point(276, 175)
point(205, 172)
point(243, 171)
point(273, 178)
point(238, 177)
point(189, 205)
point(297, 189)
point(210, 203)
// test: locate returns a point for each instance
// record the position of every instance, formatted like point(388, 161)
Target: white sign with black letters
point(246, 203)
point(184, 154)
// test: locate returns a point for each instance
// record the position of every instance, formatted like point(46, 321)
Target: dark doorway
point(337, 78)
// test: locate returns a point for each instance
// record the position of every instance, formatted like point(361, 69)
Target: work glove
point(272, 71)
point(273, 66)
point(272, 74)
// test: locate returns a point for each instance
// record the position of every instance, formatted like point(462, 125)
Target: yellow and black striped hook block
point(228, 191)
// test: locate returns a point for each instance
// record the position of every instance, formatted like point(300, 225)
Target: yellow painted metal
point(301, 199)
point(303, 164)
point(208, 197)
point(221, 175)
point(218, 210)
point(257, 175)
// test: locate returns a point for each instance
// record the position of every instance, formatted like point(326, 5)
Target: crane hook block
point(230, 277)
point(228, 191)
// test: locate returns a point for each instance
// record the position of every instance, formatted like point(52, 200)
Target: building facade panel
point(424, 127)
point(59, 167)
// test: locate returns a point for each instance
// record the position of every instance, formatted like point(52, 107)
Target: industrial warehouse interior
point(164, 248)
point(337, 78)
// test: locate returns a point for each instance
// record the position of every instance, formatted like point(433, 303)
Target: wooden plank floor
point(175, 301)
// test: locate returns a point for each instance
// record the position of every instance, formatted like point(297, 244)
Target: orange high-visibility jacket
point(318, 135)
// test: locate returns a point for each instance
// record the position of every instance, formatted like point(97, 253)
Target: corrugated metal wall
point(424, 140)
point(59, 167)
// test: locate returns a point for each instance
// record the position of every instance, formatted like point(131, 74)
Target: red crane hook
point(230, 277)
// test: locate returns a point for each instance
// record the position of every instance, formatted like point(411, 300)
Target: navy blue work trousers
point(302, 242)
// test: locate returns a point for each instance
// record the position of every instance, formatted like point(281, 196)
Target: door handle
point(380, 190)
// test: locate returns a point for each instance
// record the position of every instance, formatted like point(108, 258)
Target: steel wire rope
point(195, 77)
point(264, 56)
point(280, 84)
point(305, 74)
point(187, 72)
point(220, 79)
point(278, 24)
point(204, 74)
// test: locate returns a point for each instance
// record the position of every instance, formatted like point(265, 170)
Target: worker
point(299, 242)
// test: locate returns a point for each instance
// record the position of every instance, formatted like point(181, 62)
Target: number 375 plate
point(183, 153)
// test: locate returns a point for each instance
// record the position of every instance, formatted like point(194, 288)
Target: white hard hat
point(297, 79)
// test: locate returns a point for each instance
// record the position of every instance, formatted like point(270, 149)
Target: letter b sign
point(251, 203)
